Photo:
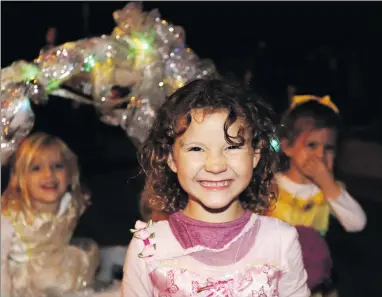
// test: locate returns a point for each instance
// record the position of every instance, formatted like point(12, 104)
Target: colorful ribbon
point(297, 100)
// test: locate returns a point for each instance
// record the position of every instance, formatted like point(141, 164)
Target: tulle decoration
point(144, 53)
point(17, 117)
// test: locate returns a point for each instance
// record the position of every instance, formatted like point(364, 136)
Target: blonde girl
point(40, 209)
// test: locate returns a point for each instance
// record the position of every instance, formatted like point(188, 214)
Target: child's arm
point(293, 282)
point(348, 212)
point(136, 279)
point(345, 208)
point(7, 233)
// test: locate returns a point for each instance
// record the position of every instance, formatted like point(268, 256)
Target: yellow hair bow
point(297, 100)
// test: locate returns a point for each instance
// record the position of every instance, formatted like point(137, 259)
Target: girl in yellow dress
point(308, 193)
point(40, 209)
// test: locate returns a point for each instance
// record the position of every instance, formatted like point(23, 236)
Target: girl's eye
point(234, 147)
point(194, 149)
point(330, 148)
point(59, 166)
point(312, 145)
point(35, 168)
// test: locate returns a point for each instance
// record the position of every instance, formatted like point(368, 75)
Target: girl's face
point(312, 144)
point(47, 178)
point(213, 172)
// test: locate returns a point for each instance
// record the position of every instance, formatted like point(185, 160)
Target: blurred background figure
point(50, 38)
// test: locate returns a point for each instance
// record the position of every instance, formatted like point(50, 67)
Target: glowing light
point(275, 144)
point(145, 45)
point(89, 63)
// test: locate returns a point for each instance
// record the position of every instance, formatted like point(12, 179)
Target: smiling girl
point(208, 163)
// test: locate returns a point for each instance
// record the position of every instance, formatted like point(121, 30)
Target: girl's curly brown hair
point(162, 190)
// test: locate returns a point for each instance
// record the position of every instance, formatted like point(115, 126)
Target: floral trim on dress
point(140, 232)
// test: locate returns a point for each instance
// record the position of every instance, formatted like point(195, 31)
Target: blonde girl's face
point(47, 177)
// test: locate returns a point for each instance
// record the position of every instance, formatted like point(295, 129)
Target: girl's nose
point(320, 152)
point(48, 172)
point(215, 163)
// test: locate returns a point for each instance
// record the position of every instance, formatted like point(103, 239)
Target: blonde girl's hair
point(16, 197)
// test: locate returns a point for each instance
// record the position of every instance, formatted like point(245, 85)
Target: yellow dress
point(41, 262)
point(313, 211)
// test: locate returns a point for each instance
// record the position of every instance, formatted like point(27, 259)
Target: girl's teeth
point(215, 184)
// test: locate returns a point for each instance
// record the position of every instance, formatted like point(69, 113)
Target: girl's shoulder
point(277, 238)
point(275, 228)
point(7, 228)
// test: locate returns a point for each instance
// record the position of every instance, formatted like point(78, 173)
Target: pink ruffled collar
point(190, 232)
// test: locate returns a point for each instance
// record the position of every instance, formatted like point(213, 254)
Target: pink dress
point(157, 265)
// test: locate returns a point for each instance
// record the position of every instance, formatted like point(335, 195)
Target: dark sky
point(213, 29)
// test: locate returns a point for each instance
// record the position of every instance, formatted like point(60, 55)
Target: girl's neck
point(295, 175)
point(44, 207)
point(197, 212)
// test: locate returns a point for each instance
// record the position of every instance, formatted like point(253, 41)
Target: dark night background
point(319, 47)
